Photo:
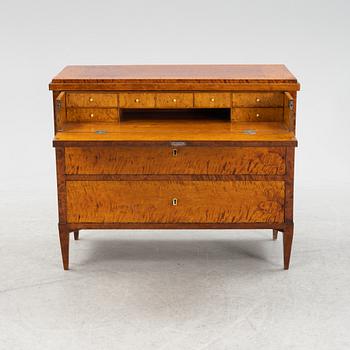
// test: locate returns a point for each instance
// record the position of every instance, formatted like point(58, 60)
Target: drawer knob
point(174, 201)
point(212, 99)
point(257, 115)
point(91, 99)
point(174, 152)
point(257, 99)
point(137, 100)
point(91, 115)
point(174, 99)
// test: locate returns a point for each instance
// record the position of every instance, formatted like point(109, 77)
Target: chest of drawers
point(175, 147)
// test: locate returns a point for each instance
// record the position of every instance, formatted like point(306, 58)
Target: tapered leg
point(274, 234)
point(64, 241)
point(76, 235)
point(287, 245)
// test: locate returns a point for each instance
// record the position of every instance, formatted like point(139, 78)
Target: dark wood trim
point(106, 143)
point(76, 235)
point(289, 185)
point(274, 234)
point(171, 226)
point(61, 185)
point(54, 96)
point(287, 244)
point(176, 86)
point(64, 242)
point(174, 177)
point(288, 209)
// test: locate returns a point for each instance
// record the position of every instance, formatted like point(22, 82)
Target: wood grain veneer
point(175, 160)
point(197, 201)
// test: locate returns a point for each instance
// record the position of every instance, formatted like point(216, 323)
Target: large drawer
point(175, 201)
point(172, 160)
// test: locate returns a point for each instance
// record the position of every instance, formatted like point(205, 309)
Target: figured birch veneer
point(197, 201)
point(191, 146)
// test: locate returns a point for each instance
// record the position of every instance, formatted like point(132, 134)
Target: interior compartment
point(214, 114)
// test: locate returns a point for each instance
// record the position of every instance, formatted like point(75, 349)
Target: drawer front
point(212, 100)
point(257, 114)
point(137, 100)
point(174, 100)
point(91, 114)
point(257, 99)
point(79, 99)
point(175, 201)
point(181, 160)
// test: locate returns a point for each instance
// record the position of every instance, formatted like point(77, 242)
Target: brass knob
point(174, 152)
point(174, 99)
point(258, 99)
point(91, 115)
point(137, 100)
point(91, 99)
point(212, 99)
point(174, 201)
point(257, 115)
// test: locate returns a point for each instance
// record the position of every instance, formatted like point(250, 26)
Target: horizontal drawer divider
point(184, 177)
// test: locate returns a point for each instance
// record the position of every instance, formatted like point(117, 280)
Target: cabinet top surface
point(221, 74)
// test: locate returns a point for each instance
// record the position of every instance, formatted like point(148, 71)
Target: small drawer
point(79, 99)
point(257, 99)
point(174, 100)
point(212, 100)
point(92, 114)
point(172, 201)
point(257, 114)
point(137, 100)
point(175, 160)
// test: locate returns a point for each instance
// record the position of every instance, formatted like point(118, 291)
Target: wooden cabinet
point(175, 147)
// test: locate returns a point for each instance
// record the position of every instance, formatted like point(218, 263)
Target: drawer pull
point(91, 99)
point(212, 99)
point(174, 201)
point(174, 99)
point(137, 100)
point(91, 115)
point(257, 115)
point(257, 99)
point(174, 152)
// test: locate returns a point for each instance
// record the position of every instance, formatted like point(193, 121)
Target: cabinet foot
point(287, 245)
point(64, 241)
point(274, 234)
point(76, 235)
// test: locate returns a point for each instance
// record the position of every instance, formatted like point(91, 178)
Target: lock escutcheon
point(174, 201)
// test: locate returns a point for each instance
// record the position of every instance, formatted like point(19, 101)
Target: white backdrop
point(196, 290)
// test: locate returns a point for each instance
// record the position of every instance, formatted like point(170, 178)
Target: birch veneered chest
point(171, 146)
